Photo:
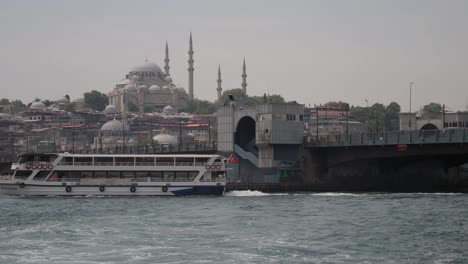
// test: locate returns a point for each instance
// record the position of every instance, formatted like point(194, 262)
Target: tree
point(47, 102)
point(243, 99)
point(432, 108)
point(70, 107)
point(96, 100)
point(339, 104)
point(200, 107)
point(68, 97)
point(392, 118)
point(4, 101)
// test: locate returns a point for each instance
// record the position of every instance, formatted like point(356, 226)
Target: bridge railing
point(452, 135)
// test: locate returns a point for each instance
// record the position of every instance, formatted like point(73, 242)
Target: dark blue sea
point(240, 227)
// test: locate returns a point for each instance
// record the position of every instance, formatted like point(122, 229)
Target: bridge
point(426, 160)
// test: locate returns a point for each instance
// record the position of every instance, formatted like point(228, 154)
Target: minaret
point(166, 61)
point(190, 68)
point(244, 78)
point(219, 89)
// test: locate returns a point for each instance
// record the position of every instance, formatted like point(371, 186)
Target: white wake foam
point(250, 193)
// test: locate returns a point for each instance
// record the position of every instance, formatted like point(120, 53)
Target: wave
point(250, 193)
point(337, 194)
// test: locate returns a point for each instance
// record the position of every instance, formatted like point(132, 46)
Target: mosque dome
point(168, 79)
point(154, 88)
point(37, 105)
point(110, 109)
point(165, 88)
point(113, 125)
point(147, 67)
point(169, 110)
point(124, 82)
point(62, 100)
point(79, 100)
point(165, 139)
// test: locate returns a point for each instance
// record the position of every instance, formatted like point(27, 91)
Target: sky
point(308, 51)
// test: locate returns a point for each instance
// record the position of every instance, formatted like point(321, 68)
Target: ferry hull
point(8, 188)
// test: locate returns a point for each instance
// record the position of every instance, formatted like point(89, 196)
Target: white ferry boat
point(66, 174)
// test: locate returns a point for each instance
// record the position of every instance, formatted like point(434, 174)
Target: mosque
point(147, 87)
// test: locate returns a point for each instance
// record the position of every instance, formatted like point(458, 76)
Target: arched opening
point(429, 126)
point(245, 135)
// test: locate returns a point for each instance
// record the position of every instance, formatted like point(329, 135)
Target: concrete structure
point(267, 138)
point(433, 121)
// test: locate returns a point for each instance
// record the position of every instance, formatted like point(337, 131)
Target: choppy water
point(241, 227)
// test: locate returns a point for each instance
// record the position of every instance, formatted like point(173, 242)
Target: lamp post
point(410, 92)
point(233, 108)
point(232, 101)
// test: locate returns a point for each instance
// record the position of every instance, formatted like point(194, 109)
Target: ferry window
point(113, 174)
point(41, 175)
point(165, 160)
point(86, 174)
point(145, 161)
point(155, 174)
point(100, 174)
point(201, 160)
point(44, 158)
point(73, 174)
point(141, 174)
point(103, 161)
point(192, 174)
point(128, 174)
point(22, 174)
point(184, 161)
point(84, 160)
point(124, 161)
point(27, 158)
point(181, 175)
point(168, 174)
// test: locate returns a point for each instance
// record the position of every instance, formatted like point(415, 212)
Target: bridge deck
point(457, 135)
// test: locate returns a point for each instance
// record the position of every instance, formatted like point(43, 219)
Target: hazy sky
point(309, 51)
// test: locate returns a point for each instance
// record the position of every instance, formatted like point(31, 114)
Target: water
point(241, 227)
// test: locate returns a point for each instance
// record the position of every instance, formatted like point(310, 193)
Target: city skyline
point(316, 51)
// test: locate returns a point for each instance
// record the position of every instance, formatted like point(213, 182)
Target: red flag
point(233, 159)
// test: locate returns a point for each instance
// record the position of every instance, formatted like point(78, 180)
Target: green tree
point(200, 107)
point(47, 102)
point(432, 108)
point(339, 104)
point(96, 100)
point(392, 119)
point(70, 107)
point(244, 100)
point(4, 101)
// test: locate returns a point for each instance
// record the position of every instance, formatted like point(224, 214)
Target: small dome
point(54, 107)
point(154, 88)
point(79, 100)
point(5, 116)
point(166, 88)
point(169, 110)
point(37, 105)
point(168, 79)
point(124, 81)
point(147, 67)
point(62, 100)
point(110, 109)
point(113, 125)
point(165, 139)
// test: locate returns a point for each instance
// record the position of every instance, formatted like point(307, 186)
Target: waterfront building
point(426, 121)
